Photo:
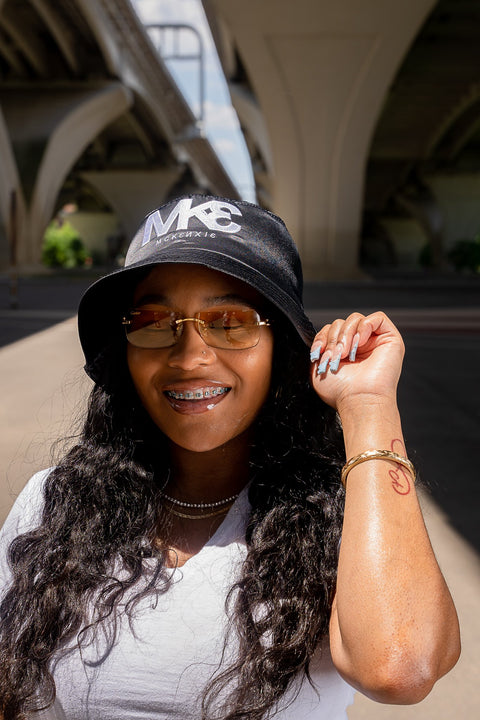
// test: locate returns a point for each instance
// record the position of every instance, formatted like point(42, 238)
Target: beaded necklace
point(202, 505)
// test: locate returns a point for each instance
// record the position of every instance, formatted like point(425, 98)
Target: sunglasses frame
point(198, 323)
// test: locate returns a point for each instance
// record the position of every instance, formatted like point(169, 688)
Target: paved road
point(42, 387)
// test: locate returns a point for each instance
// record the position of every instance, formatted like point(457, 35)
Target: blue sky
point(220, 121)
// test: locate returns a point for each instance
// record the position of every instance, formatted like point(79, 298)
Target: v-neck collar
point(231, 530)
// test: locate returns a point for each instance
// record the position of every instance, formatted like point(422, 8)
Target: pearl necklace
point(202, 505)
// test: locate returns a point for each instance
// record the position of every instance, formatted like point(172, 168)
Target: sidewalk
point(43, 390)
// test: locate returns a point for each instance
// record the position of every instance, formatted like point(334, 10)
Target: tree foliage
point(63, 246)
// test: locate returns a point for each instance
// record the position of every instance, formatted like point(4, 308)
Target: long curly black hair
point(102, 506)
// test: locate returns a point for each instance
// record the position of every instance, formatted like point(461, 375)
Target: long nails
point(353, 351)
point(334, 364)
point(323, 365)
point(334, 358)
point(315, 354)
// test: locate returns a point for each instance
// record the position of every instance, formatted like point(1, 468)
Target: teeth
point(200, 394)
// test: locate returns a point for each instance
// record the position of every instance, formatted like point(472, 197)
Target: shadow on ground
point(40, 302)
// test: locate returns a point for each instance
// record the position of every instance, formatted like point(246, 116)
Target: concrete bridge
point(89, 111)
point(361, 118)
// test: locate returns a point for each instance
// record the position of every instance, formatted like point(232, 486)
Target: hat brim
point(105, 302)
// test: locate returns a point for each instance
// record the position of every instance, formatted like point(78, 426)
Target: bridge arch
point(82, 89)
point(422, 171)
point(65, 144)
point(319, 73)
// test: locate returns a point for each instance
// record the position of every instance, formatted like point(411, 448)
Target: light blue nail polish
point(353, 351)
point(315, 354)
point(323, 365)
point(335, 363)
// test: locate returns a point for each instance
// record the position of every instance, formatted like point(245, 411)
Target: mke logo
point(214, 214)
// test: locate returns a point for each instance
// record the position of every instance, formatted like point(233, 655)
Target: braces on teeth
point(196, 394)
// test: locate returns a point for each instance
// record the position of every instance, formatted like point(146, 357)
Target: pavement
point(43, 390)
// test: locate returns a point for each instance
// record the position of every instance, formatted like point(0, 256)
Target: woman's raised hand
point(357, 360)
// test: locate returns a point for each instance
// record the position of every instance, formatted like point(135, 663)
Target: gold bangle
point(376, 455)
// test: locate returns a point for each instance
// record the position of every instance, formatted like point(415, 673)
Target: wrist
point(367, 405)
point(370, 423)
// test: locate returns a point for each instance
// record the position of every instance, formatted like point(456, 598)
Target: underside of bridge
point(89, 114)
point(422, 179)
point(362, 118)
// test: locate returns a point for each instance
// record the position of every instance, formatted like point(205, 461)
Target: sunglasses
point(227, 328)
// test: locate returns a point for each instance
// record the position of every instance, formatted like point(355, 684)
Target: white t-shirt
point(157, 668)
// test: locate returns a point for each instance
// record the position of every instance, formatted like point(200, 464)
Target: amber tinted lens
point(227, 328)
point(151, 328)
point(230, 328)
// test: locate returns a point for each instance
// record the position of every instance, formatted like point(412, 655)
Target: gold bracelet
point(376, 455)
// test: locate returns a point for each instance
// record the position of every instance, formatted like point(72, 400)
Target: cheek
point(139, 368)
point(133, 363)
point(260, 372)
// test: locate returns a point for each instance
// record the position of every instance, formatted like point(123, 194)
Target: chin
point(202, 444)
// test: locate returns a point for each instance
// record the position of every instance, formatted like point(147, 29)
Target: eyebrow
point(152, 298)
point(212, 300)
point(230, 298)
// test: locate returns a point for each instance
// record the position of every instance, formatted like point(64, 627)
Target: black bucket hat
point(234, 237)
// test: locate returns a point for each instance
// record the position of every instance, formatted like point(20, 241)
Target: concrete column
point(133, 193)
point(320, 71)
point(65, 145)
point(9, 182)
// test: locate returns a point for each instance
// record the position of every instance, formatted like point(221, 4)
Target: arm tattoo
point(400, 478)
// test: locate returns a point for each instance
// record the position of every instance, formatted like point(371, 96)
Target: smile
point(197, 394)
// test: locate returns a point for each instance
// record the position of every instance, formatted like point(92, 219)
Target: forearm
point(394, 629)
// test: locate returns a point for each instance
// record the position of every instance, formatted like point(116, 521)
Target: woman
point(195, 554)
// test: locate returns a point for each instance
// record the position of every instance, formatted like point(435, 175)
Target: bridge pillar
point(9, 184)
point(133, 193)
point(319, 72)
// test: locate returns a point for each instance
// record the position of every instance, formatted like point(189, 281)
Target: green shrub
point(465, 255)
point(63, 246)
point(425, 257)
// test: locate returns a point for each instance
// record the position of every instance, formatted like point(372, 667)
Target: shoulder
point(27, 508)
point(25, 515)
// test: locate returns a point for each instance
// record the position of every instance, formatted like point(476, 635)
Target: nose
point(190, 350)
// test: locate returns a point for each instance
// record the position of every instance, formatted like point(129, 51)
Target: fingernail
point(335, 362)
point(353, 351)
point(323, 365)
point(315, 354)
